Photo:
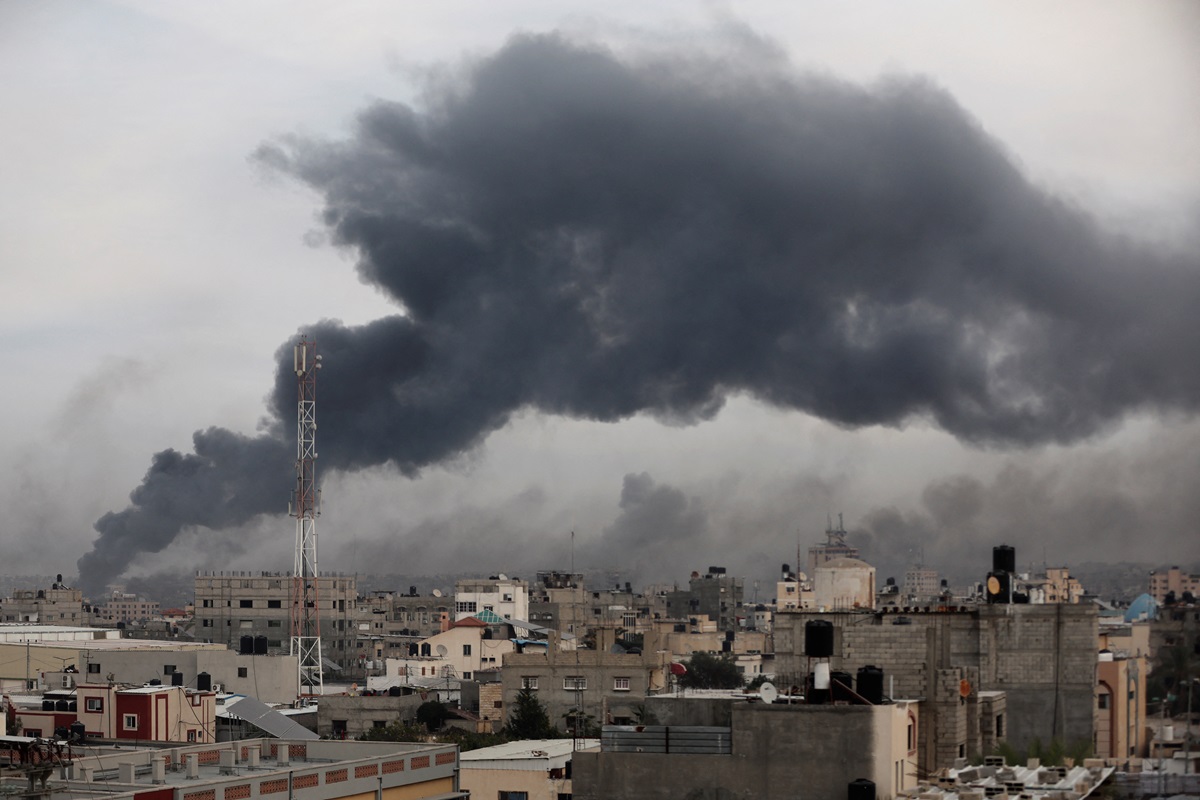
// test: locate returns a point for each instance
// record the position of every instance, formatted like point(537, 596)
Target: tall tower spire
point(305, 507)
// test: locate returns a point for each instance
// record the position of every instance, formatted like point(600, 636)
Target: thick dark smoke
point(599, 236)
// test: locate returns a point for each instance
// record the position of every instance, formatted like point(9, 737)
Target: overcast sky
point(930, 265)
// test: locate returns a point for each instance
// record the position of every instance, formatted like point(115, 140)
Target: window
point(191, 737)
point(129, 722)
point(465, 607)
point(274, 623)
point(206, 604)
point(93, 669)
point(274, 604)
point(574, 682)
point(379, 723)
point(529, 682)
point(206, 623)
point(466, 675)
point(466, 649)
point(245, 623)
point(242, 672)
point(168, 669)
point(503, 795)
point(999, 726)
point(94, 704)
point(620, 684)
point(1102, 701)
point(245, 604)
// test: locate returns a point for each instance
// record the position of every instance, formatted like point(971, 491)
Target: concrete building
point(834, 547)
point(504, 596)
point(387, 621)
point(123, 607)
point(533, 769)
point(1042, 656)
point(233, 605)
point(459, 652)
point(1121, 730)
point(33, 657)
point(136, 713)
point(770, 752)
point(714, 594)
point(844, 583)
point(597, 685)
point(559, 600)
point(58, 605)
point(921, 586)
point(1055, 586)
point(350, 716)
point(261, 768)
point(1173, 581)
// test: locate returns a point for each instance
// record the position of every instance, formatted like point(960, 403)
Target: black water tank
point(841, 687)
point(998, 588)
point(204, 682)
point(260, 645)
point(177, 679)
point(78, 731)
point(72, 706)
point(247, 646)
point(818, 638)
point(870, 684)
point(860, 789)
point(395, 691)
point(47, 705)
point(1004, 559)
point(62, 705)
point(156, 682)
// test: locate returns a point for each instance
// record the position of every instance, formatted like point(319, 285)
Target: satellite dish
point(437, 592)
point(768, 692)
point(502, 577)
point(441, 648)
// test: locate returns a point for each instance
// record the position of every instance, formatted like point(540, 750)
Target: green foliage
point(580, 724)
point(1053, 754)
point(644, 716)
point(469, 740)
point(1168, 679)
point(707, 671)
point(528, 718)
point(757, 681)
point(396, 732)
point(432, 715)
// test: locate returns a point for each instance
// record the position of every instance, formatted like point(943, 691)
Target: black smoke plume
point(597, 236)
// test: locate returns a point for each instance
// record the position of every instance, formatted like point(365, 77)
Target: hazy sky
point(683, 278)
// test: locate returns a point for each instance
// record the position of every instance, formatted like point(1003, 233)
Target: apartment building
point(504, 596)
point(231, 606)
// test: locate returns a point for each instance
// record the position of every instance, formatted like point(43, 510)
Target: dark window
point(245, 604)
point(168, 669)
point(274, 604)
point(94, 669)
point(241, 672)
point(1102, 701)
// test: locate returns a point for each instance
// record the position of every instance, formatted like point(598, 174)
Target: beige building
point(533, 769)
point(844, 583)
point(504, 596)
point(1173, 581)
point(58, 605)
point(135, 713)
point(460, 652)
point(1121, 730)
point(122, 607)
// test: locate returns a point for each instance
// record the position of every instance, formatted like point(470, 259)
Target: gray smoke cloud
point(598, 235)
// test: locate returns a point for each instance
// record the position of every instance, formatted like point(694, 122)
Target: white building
point(507, 597)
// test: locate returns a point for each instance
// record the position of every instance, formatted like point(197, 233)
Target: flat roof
point(529, 749)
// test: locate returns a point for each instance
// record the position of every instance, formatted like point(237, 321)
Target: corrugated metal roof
point(268, 719)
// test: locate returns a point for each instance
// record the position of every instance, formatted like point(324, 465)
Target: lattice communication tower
point(305, 507)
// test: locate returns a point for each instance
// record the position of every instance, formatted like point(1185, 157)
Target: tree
point(707, 671)
point(432, 714)
point(396, 732)
point(528, 718)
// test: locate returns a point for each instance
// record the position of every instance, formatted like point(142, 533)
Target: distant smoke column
point(306, 622)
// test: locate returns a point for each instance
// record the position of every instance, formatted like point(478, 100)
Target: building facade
point(233, 605)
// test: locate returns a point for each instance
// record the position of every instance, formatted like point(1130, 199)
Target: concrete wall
point(1042, 656)
point(360, 714)
point(599, 669)
point(777, 752)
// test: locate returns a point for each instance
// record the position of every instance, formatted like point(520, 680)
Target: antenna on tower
point(305, 507)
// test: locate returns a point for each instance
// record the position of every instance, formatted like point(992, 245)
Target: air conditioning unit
point(218, 688)
point(68, 682)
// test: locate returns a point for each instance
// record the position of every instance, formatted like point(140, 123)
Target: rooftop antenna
point(305, 507)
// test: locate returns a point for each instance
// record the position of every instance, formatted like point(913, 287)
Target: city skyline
point(165, 239)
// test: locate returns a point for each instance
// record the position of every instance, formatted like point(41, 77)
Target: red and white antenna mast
point(305, 507)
